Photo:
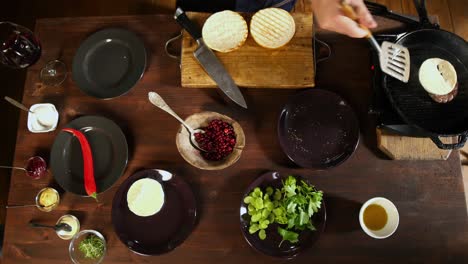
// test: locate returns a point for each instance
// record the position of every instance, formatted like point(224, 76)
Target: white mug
point(392, 218)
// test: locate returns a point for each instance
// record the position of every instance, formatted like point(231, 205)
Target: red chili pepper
point(89, 182)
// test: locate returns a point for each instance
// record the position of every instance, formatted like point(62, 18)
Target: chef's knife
point(209, 61)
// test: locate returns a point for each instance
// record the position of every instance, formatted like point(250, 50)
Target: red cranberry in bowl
point(36, 167)
point(219, 140)
point(230, 142)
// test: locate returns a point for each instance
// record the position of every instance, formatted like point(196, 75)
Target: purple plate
point(164, 231)
point(269, 246)
point(318, 129)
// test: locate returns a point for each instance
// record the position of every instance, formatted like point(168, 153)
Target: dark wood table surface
point(428, 194)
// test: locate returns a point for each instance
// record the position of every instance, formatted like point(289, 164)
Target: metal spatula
point(394, 58)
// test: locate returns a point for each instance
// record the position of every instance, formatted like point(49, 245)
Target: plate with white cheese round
point(153, 212)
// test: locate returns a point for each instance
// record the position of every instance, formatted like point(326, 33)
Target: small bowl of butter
point(47, 199)
point(42, 118)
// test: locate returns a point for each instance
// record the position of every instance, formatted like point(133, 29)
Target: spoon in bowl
point(42, 116)
point(158, 101)
point(13, 168)
point(36, 167)
point(61, 226)
point(20, 206)
point(18, 104)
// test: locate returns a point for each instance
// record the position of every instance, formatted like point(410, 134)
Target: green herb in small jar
point(92, 247)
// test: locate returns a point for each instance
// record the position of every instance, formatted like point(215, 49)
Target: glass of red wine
point(36, 168)
point(19, 48)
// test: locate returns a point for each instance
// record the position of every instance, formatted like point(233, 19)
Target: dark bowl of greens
point(87, 247)
point(282, 215)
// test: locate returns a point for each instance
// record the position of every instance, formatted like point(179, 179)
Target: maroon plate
point(318, 129)
point(164, 231)
point(269, 246)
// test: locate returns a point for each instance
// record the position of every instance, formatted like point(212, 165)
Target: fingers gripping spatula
point(394, 58)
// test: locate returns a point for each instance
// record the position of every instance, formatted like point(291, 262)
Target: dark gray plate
point(109, 63)
point(109, 148)
point(318, 129)
point(164, 231)
point(270, 246)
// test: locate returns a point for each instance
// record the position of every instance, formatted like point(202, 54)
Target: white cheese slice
point(225, 31)
point(145, 197)
point(437, 76)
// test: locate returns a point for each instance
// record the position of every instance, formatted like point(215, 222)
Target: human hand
point(329, 16)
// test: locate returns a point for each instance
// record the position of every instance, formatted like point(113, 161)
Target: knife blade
point(208, 60)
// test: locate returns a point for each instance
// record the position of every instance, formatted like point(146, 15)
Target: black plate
point(109, 63)
point(269, 246)
point(318, 129)
point(164, 231)
point(109, 148)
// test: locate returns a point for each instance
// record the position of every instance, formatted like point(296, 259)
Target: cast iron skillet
point(410, 99)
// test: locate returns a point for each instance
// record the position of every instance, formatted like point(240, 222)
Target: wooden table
point(429, 195)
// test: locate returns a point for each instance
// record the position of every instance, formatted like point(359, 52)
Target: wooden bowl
point(193, 156)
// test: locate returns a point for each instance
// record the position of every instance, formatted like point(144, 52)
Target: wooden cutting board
point(291, 66)
point(399, 147)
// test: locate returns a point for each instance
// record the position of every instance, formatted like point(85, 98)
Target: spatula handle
point(374, 44)
point(348, 11)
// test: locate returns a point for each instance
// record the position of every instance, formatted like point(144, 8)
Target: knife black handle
point(187, 24)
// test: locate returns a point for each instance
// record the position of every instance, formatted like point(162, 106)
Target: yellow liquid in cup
point(375, 217)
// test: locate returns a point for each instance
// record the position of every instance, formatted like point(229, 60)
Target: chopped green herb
point(262, 234)
point(290, 206)
point(288, 235)
point(92, 247)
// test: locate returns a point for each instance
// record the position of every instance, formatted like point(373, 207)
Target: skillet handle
point(461, 142)
point(322, 51)
point(381, 10)
point(420, 6)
